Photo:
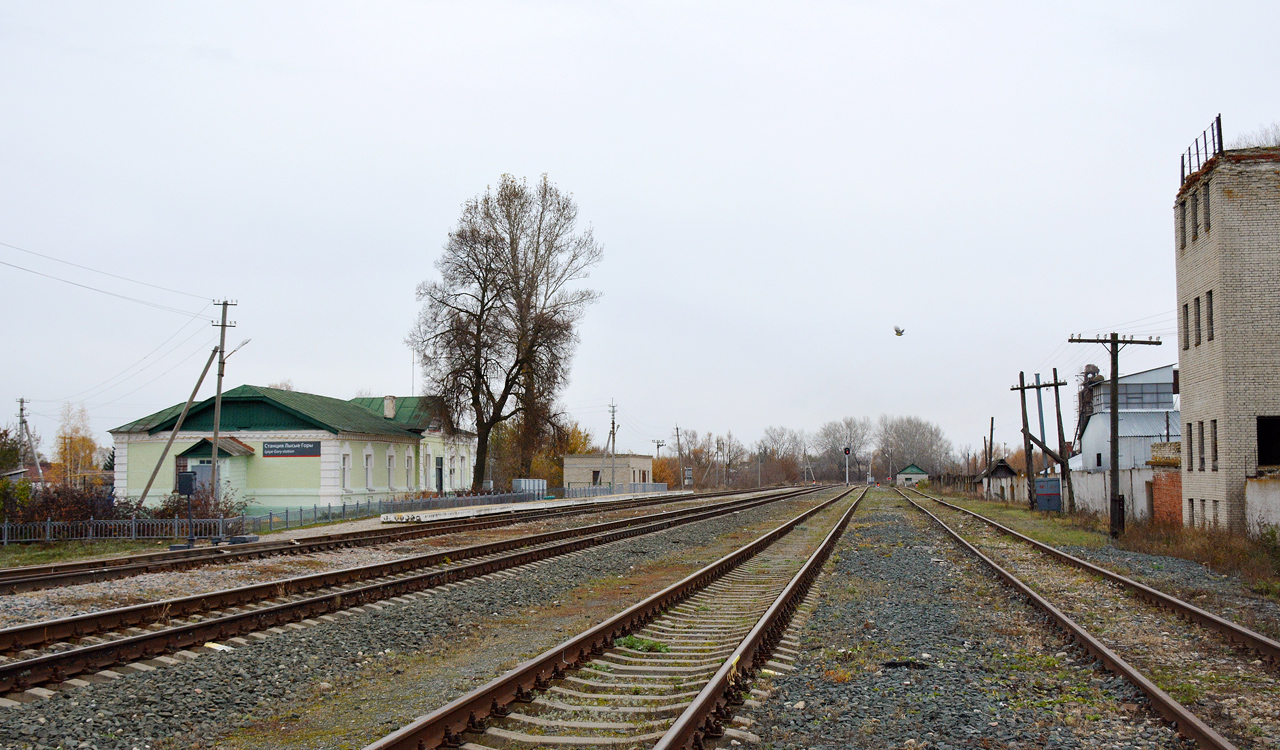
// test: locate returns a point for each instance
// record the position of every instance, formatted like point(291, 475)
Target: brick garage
point(1166, 482)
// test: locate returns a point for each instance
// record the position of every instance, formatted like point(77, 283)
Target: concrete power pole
point(25, 431)
point(1114, 343)
point(613, 446)
point(217, 399)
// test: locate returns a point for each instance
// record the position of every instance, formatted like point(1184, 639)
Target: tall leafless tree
point(852, 433)
point(497, 331)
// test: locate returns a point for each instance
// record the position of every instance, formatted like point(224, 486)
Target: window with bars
point(1196, 309)
point(1186, 327)
point(1213, 441)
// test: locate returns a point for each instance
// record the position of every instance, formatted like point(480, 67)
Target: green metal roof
point(913, 469)
point(252, 407)
point(417, 413)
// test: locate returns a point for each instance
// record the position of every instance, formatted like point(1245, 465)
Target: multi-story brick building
point(1227, 249)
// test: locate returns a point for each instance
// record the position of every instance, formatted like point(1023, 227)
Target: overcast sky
point(776, 186)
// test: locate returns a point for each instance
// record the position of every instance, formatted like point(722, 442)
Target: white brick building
point(1227, 249)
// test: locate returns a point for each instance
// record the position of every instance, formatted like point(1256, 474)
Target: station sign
point(291, 448)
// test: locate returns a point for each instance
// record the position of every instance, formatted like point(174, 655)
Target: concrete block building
point(596, 469)
point(1227, 251)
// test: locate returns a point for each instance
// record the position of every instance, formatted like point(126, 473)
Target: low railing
point(272, 521)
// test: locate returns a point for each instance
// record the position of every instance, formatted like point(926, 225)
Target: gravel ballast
point(914, 644)
point(195, 703)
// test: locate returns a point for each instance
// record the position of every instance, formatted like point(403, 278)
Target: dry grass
point(1254, 559)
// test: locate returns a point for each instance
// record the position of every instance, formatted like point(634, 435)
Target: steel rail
point(1267, 648)
point(36, 577)
point(469, 712)
point(33, 634)
point(59, 666)
point(705, 716)
point(1187, 723)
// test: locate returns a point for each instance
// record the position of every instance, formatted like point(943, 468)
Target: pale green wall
point(282, 472)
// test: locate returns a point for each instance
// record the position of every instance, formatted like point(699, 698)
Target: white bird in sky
point(899, 331)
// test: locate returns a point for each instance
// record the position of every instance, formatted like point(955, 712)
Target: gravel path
point(192, 704)
point(1195, 665)
point(912, 645)
point(67, 601)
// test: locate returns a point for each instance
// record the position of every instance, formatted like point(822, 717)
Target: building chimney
point(389, 407)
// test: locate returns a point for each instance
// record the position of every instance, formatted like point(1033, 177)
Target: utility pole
point(1114, 343)
point(991, 443)
point(1062, 446)
point(31, 442)
point(1028, 439)
point(177, 426)
point(613, 446)
point(217, 399)
point(659, 444)
point(1040, 407)
point(680, 456)
point(1021, 388)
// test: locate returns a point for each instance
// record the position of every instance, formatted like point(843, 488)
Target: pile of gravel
point(194, 703)
point(914, 645)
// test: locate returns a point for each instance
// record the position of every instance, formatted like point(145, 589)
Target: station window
point(1200, 437)
point(1206, 211)
point(1190, 453)
point(1208, 314)
point(408, 469)
point(1195, 215)
point(1099, 460)
point(1213, 443)
point(1182, 225)
point(391, 468)
point(1269, 441)
point(1197, 320)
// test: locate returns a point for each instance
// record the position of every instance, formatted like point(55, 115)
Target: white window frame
point(391, 468)
point(368, 471)
point(346, 472)
point(408, 468)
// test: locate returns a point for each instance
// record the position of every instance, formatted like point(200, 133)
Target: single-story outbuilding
point(596, 469)
point(279, 447)
point(910, 476)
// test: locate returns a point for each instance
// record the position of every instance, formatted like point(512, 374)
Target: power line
point(181, 328)
point(161, 375)
point(166, 308)
point(104, 273)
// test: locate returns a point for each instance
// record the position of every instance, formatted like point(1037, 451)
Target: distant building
point(1000, 481)
point(1227, 252)
point(597, 469)
point(912, 475)
point(1148, 414)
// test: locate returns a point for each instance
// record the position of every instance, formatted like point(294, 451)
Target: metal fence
point(1206, 146)
point(288, 518)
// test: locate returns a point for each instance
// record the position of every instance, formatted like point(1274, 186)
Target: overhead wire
point(144, 357)
point(104, 273)
point(176, 365)
point(156, 305)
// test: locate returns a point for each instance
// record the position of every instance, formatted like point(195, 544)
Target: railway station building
point(281, 448)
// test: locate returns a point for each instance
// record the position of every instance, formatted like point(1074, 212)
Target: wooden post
point(1062, 448)
point(1026, 442)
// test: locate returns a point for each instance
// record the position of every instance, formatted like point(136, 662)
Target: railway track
point(668, 670)
point(36, 577)
point(1136, 631)
point(54, 651)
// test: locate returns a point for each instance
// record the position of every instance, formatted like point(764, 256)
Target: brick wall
point(1232, 251)
point(1166, 491)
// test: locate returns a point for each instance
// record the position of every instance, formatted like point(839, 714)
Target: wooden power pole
point(1114, 343)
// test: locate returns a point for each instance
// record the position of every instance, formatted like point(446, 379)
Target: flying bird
point(899, 331)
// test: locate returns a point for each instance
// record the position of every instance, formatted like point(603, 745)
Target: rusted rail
point(35, 577)
point(59, 666)
point(1267, 648)
point(729, 686)
point(1187, 723)
point(443, 726)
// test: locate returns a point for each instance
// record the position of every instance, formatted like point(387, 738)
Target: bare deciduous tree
point(497, 331)
point(834, 437)
point(910, 440)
